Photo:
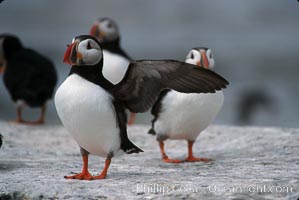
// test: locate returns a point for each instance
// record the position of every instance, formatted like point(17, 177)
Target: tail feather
point(152, 131)
point(129, 148)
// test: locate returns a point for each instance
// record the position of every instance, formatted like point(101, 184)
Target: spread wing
point(145, 79)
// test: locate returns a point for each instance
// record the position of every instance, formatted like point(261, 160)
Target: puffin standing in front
point(29, 77)
point(92, 107)
point(106, 31)
point(196, 111)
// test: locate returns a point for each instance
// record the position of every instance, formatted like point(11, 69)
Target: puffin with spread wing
point(92, 107)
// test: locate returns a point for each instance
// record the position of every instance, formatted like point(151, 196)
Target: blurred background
point(255, 45)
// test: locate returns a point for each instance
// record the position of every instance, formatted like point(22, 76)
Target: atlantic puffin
point(92, 106)
point(106, 31)
point(29, 77)
point(183, 116)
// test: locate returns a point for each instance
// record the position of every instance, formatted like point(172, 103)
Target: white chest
point(115, 67)
point(86, 111)
point(184, 116)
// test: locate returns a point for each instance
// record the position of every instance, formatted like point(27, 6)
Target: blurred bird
point(106, 31)
point(185, 116)
point(29, 77)
point(1, 140)
point(252, 101)
point(92, 107)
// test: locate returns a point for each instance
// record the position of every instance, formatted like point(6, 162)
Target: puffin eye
point(192, 56)
point(210, 55)
point(109, 25)
point(88, 45)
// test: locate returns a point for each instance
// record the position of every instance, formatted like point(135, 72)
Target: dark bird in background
point(106, 31)
point(252, 101)
point(92, 107)
point(1, 140)
point(29, 77)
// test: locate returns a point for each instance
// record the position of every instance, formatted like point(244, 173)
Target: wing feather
point(145, 79)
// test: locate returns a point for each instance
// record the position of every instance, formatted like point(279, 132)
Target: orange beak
point(205, 59)
point(67, 54)
point(94, 29)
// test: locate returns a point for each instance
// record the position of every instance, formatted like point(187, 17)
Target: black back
point(114, 47)
point(92, 74)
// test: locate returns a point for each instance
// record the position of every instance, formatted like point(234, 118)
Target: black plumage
point(28, 75)
point(145, 79)
point(137, 91)
point(0, 140)
point(156, 109)
point(143, 82)
point(94, 74)
point(114, 47)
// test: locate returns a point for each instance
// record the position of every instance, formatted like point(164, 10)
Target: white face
point(88, 52)
point(201, 57)
point(108, 30)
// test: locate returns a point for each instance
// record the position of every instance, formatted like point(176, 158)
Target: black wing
point(145, 80)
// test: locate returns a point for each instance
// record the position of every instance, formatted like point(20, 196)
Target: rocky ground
point(249, 163)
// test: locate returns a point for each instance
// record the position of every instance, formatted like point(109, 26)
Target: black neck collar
point(111, 45)
point(93, 74)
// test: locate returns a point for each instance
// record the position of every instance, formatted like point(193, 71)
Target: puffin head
point(202, 57)
point(105, 30)
point(9, 44)
point(84, 50)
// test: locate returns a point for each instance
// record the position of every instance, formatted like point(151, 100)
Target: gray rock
point(249, 163)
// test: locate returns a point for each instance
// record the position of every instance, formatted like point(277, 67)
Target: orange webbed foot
point(80, 176)
point(20, 121)
point(194, 159)
point(168, 160)
point(98, 177)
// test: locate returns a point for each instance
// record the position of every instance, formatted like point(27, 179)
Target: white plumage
point(114, 67)
point(86, 111)
point(184, 116)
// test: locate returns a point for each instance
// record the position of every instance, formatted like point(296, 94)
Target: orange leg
point(105, 170)
point(84, 175)
point(132, 119)
point(191, 158)
point(19, 118)
point(41, 120)
point(165, 157)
